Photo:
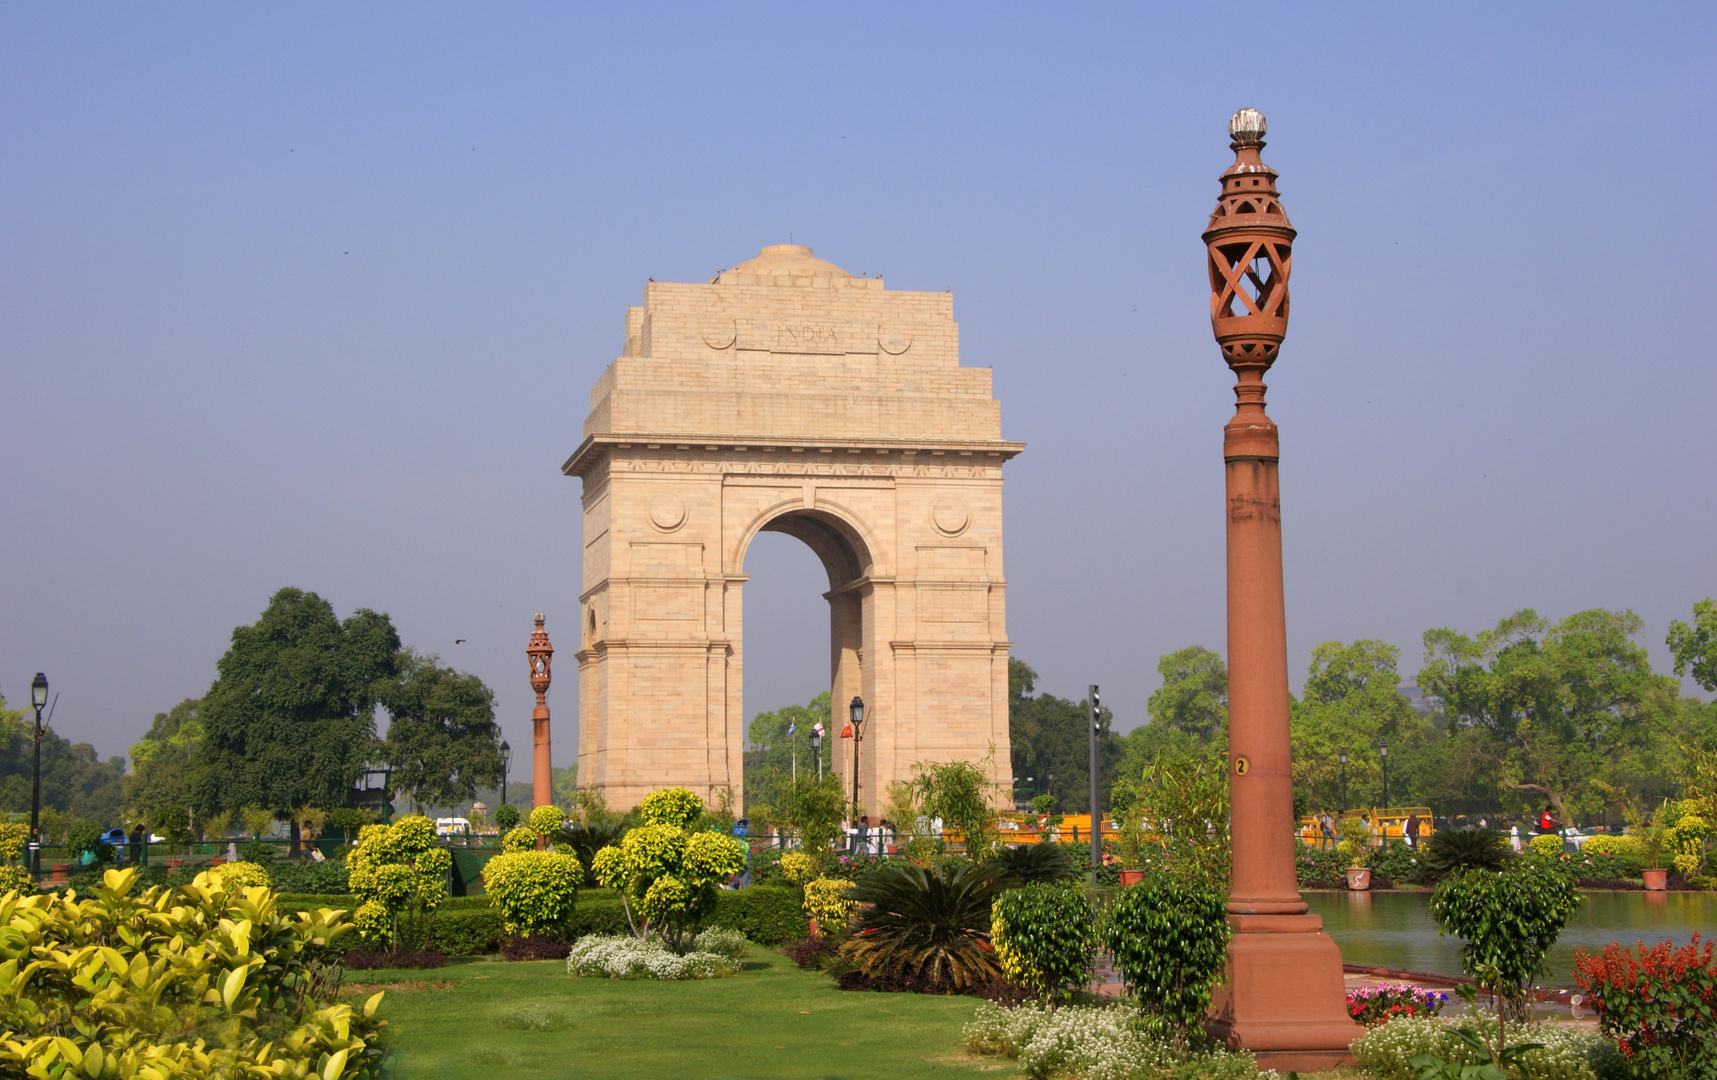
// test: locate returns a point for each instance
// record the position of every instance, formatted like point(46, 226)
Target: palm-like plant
point(1028, 864)
point(927, 926)
point(585, 839)
point(1452, 850)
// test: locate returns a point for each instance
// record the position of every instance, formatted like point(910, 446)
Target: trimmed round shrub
point(238, 876)
point(1044, 936)
point(16, 879)
point(676, 806)
point(523, 838)
point(798, 867)
point(828, 902)
point(506, 816)
point(547, 820)
point(1170, 941)
point(534, 890)
point(1548, 845)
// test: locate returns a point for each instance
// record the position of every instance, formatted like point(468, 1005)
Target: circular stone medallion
point(950, 517)
point(893, 342)
point(720, 334)
point(667, 512)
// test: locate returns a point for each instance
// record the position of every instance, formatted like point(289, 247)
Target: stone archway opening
point(846, 561)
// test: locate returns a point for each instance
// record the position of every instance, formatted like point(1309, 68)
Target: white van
point(452, 826)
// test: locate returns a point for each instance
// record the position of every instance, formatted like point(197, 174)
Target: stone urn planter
point(1656, 880)
point(1358, 879)
point(1131, 877)
point(812, 926)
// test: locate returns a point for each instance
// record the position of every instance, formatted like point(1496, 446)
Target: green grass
point(501, 1019)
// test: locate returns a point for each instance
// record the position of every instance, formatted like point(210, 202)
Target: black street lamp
point(38, 698)
point(855, 711)
point(1342, 754)
point(1049, 788)
point(1383, 751)
point(506, 763)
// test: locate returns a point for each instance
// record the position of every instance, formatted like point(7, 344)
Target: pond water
point(1394, 929)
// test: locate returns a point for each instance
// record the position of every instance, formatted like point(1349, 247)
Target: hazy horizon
point(315, 297)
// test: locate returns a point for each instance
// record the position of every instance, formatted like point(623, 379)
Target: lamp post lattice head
point(1250, 248)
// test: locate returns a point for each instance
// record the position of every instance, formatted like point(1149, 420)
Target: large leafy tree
point(1189, 713)
point(1194, 695)
point(1695, 646)
point(1051, 735)
point(1352, 701)
point(290, 719)
point(161, 761)
point(442, 740)
point(1550, 706)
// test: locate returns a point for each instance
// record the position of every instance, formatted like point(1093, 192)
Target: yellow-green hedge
point(188, 983)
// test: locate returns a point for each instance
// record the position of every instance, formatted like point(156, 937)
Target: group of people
point(1411, 829)
point(1414, 828)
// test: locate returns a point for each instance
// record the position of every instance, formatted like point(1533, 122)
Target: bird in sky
point(458, 641)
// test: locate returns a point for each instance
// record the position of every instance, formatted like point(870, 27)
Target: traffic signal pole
point(1092, 704)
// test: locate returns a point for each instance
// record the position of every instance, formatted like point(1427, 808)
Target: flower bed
point(1373, 1005)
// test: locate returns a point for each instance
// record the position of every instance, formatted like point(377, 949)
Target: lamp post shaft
point(1284, 997)
point(36, 802)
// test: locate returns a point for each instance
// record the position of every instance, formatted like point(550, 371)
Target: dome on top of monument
point(788, 260)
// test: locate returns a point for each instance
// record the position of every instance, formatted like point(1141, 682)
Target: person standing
point(1327, 824)
point(1411, 830)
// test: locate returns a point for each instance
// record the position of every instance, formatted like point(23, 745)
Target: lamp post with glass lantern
point(38, 698)
point(1276, 945)
point(855, 712)
point(506, 764)
point(817, 747)
point(1342, 755)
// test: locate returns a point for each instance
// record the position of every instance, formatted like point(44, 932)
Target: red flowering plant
point(1657, 1004)
point(1374, 1005)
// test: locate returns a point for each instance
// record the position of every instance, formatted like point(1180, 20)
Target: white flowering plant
point(629, 958)
point(1565, 1053)
point(1093, 1043)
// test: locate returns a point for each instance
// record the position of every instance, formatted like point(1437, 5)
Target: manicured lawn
point(499, 1019)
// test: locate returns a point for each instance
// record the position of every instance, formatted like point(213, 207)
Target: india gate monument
point(788, 395)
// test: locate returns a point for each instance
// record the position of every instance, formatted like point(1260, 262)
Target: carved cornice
point(791, 457)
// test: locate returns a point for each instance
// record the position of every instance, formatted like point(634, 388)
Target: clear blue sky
point(314, 295)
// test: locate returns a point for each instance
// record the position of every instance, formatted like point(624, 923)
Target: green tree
point(1051, 736)
point(1695, 646)
point(161, 762)
point(1548, 706)
point(1194, 695)
point(1188, 713)
point(1352, 702)
point(289, 721)
point(769, 760)
point(75, 780)
point(442, 740)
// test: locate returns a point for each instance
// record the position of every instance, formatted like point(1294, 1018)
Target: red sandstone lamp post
point(541, 654)
point(1284, 997)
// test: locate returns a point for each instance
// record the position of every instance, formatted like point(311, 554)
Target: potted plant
point(1653, 839)
point(1356, 845)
